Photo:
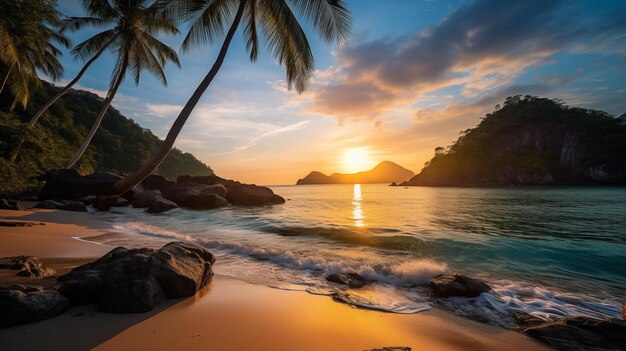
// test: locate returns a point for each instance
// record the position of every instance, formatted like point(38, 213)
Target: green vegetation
point(532, 140)
point(119, 146)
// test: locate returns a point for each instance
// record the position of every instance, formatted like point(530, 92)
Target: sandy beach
point(227, 315)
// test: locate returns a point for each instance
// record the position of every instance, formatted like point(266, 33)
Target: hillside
point(119, 146)
point(533, 141)
point(385, 172)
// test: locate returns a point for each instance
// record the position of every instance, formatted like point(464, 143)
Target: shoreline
point(227, 315)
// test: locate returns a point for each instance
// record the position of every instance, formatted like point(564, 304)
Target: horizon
point(394, 92)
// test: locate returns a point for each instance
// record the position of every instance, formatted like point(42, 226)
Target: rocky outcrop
point(157, 182)
point(197, 196)
point(75, 206)
point(27, 266)
point(532, 141)
point(581, 333)
point(161, 205)
point(384, 172)
point(136, 280)
point(145, 198)
point(455, 284)
point(20, 305)
point(10, 205)
point(351, 280)
point(237, 193)
point(71, 184)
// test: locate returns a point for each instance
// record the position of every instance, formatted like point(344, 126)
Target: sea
point(550, 252)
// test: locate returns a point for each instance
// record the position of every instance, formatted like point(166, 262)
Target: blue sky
point(413, 74)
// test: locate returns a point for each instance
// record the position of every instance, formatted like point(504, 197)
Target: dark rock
point(237, 193)
point(352, 280)
point(28, 266)
point(70, 184)
point(182, 269)
point(10, 205)
point(134, 296)
point(22, 288)
point(525, 320)
point(105, 202)
point(161, 205)
point(197, 196)
point(581, 333)
point(157, 182)
point(145, 198)
point(454, 284)
point(136, 280)
point(18, 224)
point(88, 200)
point(75, 206)
point(23, 306)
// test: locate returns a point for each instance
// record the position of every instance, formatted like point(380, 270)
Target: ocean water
point(547, 251)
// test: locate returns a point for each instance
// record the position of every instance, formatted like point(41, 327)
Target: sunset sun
point(356, 160)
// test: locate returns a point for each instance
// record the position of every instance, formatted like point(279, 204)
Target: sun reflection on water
point(357, 210)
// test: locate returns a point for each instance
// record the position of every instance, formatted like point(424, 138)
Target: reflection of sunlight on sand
point(357, 210)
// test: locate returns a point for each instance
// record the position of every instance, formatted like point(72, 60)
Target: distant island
point(532, 141)
point(385, 172)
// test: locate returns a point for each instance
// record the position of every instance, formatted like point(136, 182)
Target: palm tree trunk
point(124, 184)
point(96, 124)
point(6, 78)
point(69, 85)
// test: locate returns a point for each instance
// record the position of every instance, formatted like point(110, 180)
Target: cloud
point(479, 47)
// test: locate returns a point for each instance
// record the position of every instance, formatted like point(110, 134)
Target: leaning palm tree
point(133, 42)
point(283, 36)
point(27, 45)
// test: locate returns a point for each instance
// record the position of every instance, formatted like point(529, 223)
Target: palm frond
point(208, 19)
point(78, 23)
point(331, 18)
point(250, 34)
point(89, 47)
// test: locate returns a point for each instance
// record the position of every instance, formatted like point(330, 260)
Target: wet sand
point(227, 315)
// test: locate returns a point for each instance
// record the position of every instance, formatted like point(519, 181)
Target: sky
point(413, 74)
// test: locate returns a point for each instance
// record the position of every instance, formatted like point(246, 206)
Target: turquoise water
point(547, 251)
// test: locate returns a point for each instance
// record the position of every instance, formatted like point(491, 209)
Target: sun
point(356, 160)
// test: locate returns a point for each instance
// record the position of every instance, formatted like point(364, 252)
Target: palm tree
point(283, 36)
point(133, 42)
point(27, 45)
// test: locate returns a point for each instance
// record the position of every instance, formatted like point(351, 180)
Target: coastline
point(218, 317)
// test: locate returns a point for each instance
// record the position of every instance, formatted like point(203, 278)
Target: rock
point(352, 280)
point(157, 182)
point(88, 200)
point(20, 306)
point(581, 333)
point(18, 224)
point(10, 205)
point(22, 288)
point(624, 311)
point(197, 196)
point(136, 280)
point(145, 198)
point(134, 296)
point(70, 184)
point(454, 284)
point(105, 202)
point(525, 320)
point(75, 206)
point(28, 266)
point(237, 193)
point(161, 205)
point(182, 269)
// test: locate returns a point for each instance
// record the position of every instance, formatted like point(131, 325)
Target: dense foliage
point(532, 140)
point(120, 146)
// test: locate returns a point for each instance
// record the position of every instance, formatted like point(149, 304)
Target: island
point(384, 172)
point(532, 141)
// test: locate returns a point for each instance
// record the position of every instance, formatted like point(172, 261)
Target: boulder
point(182, 269)
point(157, 182)
point(22, 288)
point(18, 224)
point(237, 193)
point(105, 202)
point(145, 198)
point(161, 205)
point(71, 184)
point(75, 206)
point(581, 333)
point(20, 306)
point(455, 284)
point(136, 280)
point(10, 205)
point(197, 196)
point(87, 200)
point(352, 280)
point(27, 266)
